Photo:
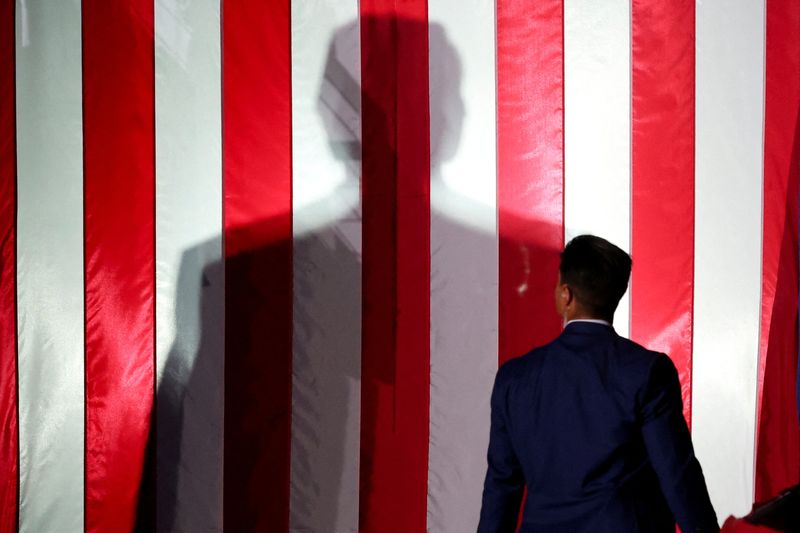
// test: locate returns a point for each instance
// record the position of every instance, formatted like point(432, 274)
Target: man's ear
point(570, 295)
point(565, 294)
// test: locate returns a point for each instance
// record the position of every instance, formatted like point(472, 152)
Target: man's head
point(593, 276)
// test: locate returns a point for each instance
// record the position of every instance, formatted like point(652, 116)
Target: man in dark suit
point(592, 423)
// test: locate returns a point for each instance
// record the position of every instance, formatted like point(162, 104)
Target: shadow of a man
point(281, 398)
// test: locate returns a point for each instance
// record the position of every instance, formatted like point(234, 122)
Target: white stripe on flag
point(326, 363)
point(597, 140)
point(50, 265)
point(464, 257)
point(728, 175)
point(190, 298)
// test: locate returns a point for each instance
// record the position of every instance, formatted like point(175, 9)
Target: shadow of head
point(369, 47)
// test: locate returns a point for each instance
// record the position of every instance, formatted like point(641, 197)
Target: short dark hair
point(597, 272)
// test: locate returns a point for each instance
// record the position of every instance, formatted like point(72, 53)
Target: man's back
point(592, 423)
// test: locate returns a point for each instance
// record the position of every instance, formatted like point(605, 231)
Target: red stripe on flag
point(9, 427)
point(778, 443)
point(119, 203)
point(396, 269)
point(530, 170)
point(662, 137)
point(257, 154)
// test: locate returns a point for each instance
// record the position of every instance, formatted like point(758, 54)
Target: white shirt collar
point(591, 320)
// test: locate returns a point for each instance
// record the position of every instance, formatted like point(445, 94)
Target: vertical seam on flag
point(693, 212)
point(16, 289)
point(15, 214)
point(694, 218)
point(290, 238)
point(563, 130)
point(83, 269)
point(153, 429)
point(222, 259)
point(630, 162)
point(693, 300)
point(496, 171)
point(496, 164)
point(16, 316)
point(395, 225)
point(694, 225)
point(427, 451)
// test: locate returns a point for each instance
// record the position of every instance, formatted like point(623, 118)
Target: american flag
point(260, 260)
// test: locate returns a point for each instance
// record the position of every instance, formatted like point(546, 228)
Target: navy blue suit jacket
point(593, 425)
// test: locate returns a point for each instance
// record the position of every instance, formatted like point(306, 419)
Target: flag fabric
point(260, 261)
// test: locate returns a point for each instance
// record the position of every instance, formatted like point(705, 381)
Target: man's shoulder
point(628, 356)
point(519, 366)
point(642, 368)
point(642, 355)
point(629, 346)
